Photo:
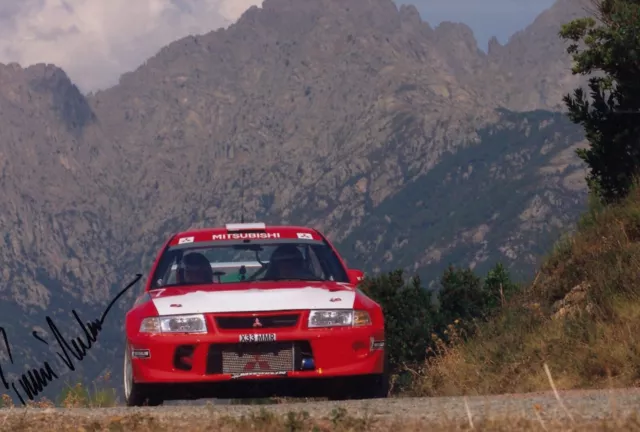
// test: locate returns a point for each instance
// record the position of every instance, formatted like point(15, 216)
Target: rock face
point(535, 60)
point(506, 198)
point(357, 118)
point(575, 302)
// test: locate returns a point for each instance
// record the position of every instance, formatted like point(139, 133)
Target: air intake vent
point(261, 322)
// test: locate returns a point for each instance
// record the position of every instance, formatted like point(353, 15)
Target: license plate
point(258, 337)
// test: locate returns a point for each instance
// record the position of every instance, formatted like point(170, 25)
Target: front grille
point(248, 322)
point(256, 357)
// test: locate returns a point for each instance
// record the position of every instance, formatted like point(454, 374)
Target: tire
point(136, 394)
point(364, 387)
point(374, 387)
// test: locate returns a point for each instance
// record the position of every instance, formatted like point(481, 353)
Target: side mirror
point(355, 276)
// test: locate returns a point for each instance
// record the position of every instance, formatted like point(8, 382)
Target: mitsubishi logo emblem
point(257, 323)
point(256, 364)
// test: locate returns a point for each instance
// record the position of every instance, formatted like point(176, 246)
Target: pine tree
point(611, 48)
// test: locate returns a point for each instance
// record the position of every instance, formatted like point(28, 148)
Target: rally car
point(252, 311)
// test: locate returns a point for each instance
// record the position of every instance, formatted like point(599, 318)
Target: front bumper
point(198, 358)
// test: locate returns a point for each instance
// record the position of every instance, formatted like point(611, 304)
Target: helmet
point(195, 268)
point(287, 252)
point(286, 258)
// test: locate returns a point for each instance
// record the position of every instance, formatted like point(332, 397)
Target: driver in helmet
point(196, 269)
point(287, 262)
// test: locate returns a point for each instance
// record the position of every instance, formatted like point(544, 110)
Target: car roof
point(250, 230)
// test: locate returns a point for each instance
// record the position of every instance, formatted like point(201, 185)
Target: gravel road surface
point(583, 405)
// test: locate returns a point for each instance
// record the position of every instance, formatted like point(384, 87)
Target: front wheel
point(136, 394)
point(365, 387)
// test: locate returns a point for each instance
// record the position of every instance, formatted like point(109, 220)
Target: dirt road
point(583, 406)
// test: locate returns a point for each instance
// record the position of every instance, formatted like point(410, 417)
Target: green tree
point(462, 295)
point(409, 315)
point(611, 48)
point(498, 286)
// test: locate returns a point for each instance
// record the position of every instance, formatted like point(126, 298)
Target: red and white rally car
point(250, 311)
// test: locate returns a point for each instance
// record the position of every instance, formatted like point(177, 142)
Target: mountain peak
point(494, 46)
point(352, 116)
point(410, 15)
point(375, 13)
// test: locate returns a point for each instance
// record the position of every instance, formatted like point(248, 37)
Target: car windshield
point(239, 261)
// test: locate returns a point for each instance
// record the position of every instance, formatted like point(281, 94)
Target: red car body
point(253, 338)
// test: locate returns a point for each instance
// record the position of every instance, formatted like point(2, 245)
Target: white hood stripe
point(255, 300)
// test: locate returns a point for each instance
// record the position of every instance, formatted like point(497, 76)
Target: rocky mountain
point(353, 117)
point(538, 69)
point(506, 199)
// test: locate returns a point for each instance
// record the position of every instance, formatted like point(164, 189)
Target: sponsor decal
point(377, 345)
point(245, 236)
point(185, 240)
point(245, 374)
point(305, 236)
point(141, 353)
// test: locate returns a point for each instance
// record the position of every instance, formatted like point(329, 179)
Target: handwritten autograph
point(35, 380)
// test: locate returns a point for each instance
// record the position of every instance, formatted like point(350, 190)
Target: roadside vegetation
point(581, 313)
point(580, 316)
point(101, 393)
point(418, 324)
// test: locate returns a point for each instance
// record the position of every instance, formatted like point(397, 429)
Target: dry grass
point(263, 420)
point(595, 344)
point(100, 394)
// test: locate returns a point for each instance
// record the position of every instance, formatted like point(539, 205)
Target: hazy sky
point(95, 41)
point(500, 18)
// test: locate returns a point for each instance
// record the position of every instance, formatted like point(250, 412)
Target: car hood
point(254, 298)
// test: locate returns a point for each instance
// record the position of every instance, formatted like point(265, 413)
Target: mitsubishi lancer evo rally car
point(251, 311)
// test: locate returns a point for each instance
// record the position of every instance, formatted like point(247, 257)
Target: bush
point(464, 296)
point(412, 317)
point(409, 315)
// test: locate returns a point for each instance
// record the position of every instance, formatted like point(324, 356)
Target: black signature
point(36, 379)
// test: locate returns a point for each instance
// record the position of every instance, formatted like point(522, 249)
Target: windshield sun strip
point(243, 242)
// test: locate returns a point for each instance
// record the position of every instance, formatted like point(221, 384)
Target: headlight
point(174, 324)
point(338, 318)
